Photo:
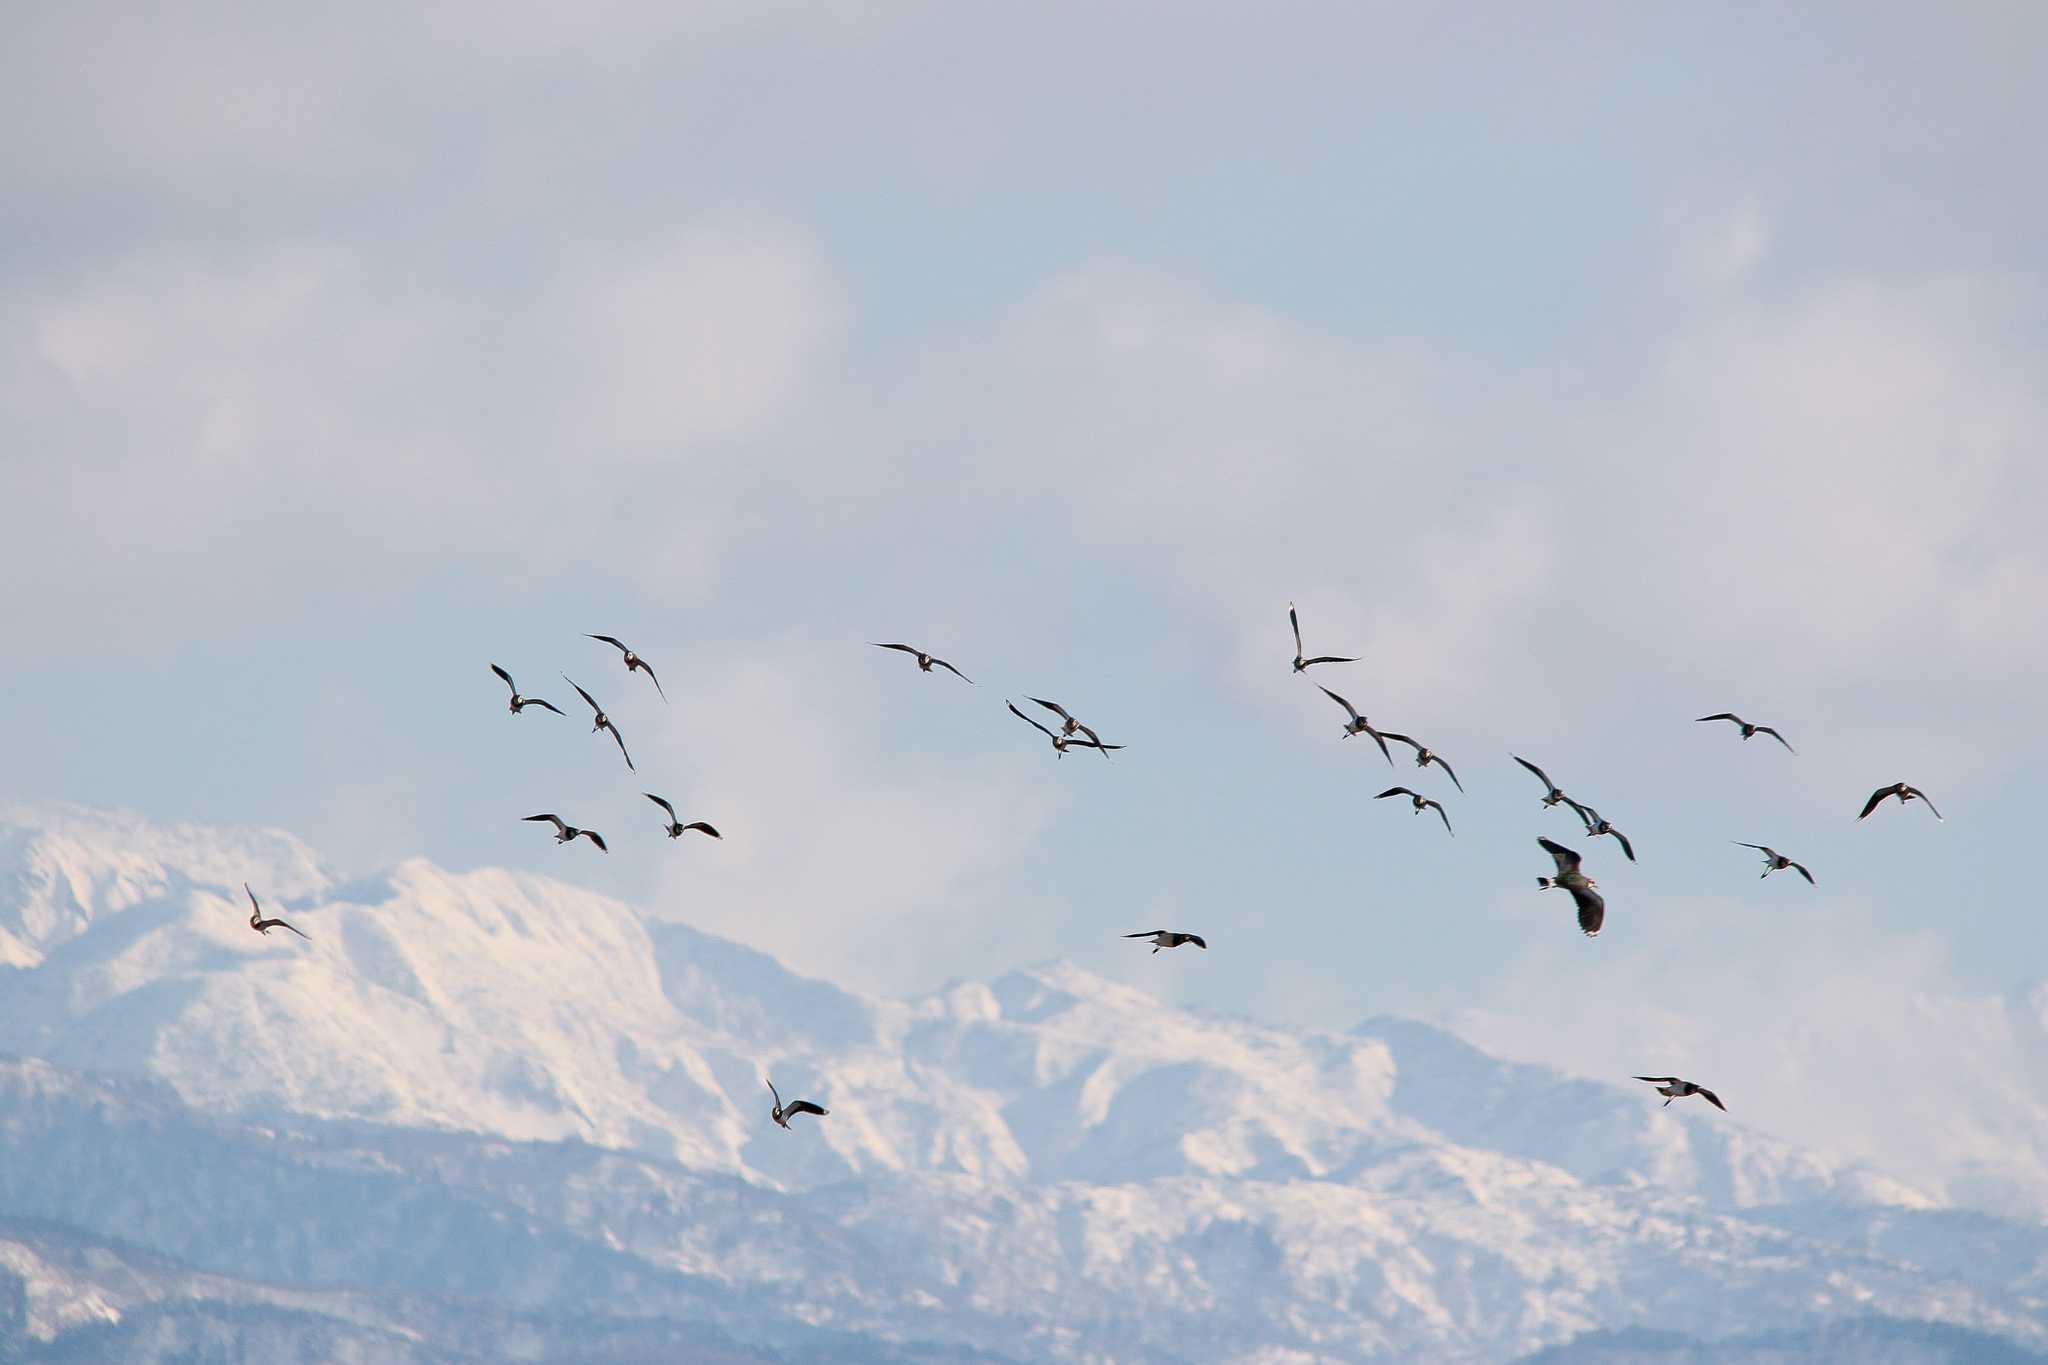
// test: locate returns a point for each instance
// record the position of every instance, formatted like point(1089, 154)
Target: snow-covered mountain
point(1047, 1165)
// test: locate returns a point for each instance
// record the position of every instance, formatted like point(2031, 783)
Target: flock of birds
point(1072, 733)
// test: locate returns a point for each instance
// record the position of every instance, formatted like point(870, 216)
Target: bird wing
point(1443, 817)
point(1582, 810)
point(1566, 860)
point(1801, 870)
point(1295, 621)
point(663, 804)
point(253, 904)
point(592, 701)
point(954, 671)
point(1592, 910)
point(1923, 796)
point(704, 828)
point(1197, 940)
point(507, 677)
point(1541, 776)
point(1767, 730)
point(805, 1107)
point(594, 838)
point(1146, 933)
point(1394, 791)
point(1721, 715)
point(1659, 1080)
point(907, 649)
point(1414, 744)
point(1053, 707)
point(558, 823)
point(1711, 1098)
point(1448, 771)
point(1028, 720)
point(1622, 839)
point(619, 645)
point(1880, 794)
point(651, 678)
point(1381, 740)
point(1328, 659)
point(294, 928)
point(771, 1087)
point(544, 705)
point(620, 740)
point(1758, 847)
point(1351, 710)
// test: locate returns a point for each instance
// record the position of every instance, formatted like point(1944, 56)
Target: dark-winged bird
point(1358, 725)
point(633, 661)
point(1597, 825)
point(1749, 731)
point(1420, 802)
point(926, 662)
point(1552, 793)
point(520, 703)
point(564, 832)
point(1167, 938)
point(603, 722)
point(1061, 741)
point(783, 1113)
point(1592, 910)
point(1068, 725)
point(676, 829)
point(1775, 861)
point(264, 926)
point(1672, 1088)
point(1300, 663)
point(1904, 791)
point(1424, 756)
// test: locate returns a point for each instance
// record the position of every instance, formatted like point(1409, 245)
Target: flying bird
point(1592, 910)
point(1596, 825)
point(926, 662)
point(1068, 725)
point(1424, 756)
point(1300, 663)
point(1553, 794)
point(1749, 731)
point(520, 703)
point(632, 660)
point(783, 1113)
point(1167, 938)
point(1775, 861)
point(676, 829)
point(1061, 740)
point(1358, 724)
point(564, 832)
point(1904, 791)
point(264, 926)
point(1420, 802)
point(604, 722)
point(1672, 1088)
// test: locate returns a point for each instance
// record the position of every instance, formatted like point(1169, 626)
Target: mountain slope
point(500, 1088)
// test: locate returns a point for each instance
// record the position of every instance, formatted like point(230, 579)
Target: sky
point(1582, 370)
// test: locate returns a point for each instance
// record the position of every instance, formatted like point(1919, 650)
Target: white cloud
point(846, 852)
point(179, 414)
point(706, 338)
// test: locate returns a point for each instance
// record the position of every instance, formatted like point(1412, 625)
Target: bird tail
point(1545, 883)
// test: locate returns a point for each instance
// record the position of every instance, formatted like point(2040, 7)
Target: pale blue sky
point(1586, 370)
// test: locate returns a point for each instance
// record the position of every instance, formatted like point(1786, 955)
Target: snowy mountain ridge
point(1045, 1138)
